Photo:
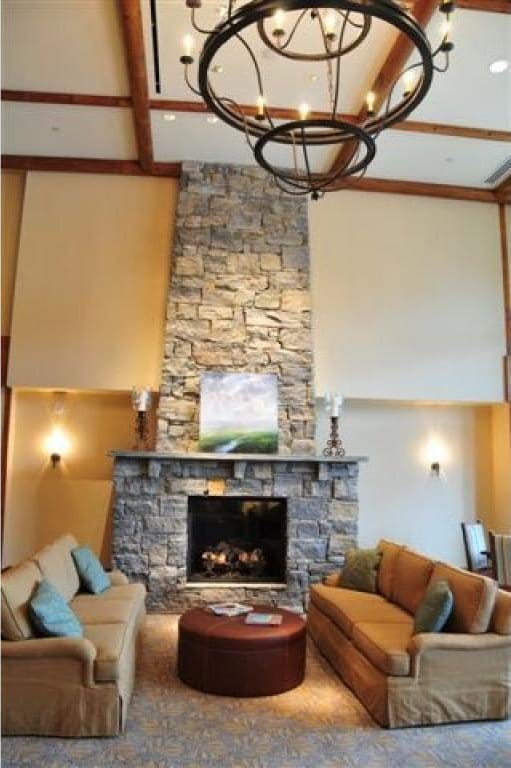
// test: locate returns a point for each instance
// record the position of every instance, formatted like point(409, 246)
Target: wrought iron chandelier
point(325, 31)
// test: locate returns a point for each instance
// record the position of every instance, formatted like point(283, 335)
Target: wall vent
point(499, 172)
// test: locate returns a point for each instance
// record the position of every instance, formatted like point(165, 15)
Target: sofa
point(68, 686)
point(405, 679)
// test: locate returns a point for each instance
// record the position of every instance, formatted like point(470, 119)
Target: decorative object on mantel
point(317, 32)
point(141, 400)
point(239, 413)
point(334, 446)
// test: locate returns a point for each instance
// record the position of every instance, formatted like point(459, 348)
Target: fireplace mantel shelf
point(260, 457)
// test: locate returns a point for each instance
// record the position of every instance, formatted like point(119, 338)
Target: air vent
point(499, 172)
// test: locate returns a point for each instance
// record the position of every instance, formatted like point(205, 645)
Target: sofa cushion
point(359, 570)
point(134, 593)
point(104, 611)
point(412, 574)
point(18, 586)
point(90, 571)
point(435, 609)
point(389, 552)
point(50, 615)
point(109, 641)
point(474, 598)
point(57, 566)
point(346, 607)
point(501, 616)
point(385, 645)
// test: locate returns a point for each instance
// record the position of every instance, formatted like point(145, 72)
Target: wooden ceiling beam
point(88, 165)
point(487, 6)
point(284, 113)
point(420, 188)
point(131, 18)
point(390, 70)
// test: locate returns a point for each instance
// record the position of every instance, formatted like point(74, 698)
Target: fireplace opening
point(234, 539)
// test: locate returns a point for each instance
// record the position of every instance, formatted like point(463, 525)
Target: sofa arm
point(117, 578)
point(49, 651)
point(439, 647)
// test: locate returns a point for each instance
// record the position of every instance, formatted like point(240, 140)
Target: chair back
point(475, 546)
point(500, 547)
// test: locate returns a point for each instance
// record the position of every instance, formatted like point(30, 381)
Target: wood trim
point(72, 99)
point(503, 191)
point(423, 189)
point(87, 165)
point(487, 6)
point(131, 18)
point(6, 418)
point(284, 113)
point(506, 286)
point(393, 65)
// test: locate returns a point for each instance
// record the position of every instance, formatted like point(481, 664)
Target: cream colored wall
point(92, 281)
point(43, 502)
point(407, 298)
point(13, 185)
point(399, 497)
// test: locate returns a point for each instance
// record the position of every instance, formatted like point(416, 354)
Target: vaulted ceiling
point(68, 91)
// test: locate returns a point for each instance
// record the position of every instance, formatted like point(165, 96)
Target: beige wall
point(407, 298)
point(92, 281)
point(43, 502)
point(13, 185)
point(399, 497)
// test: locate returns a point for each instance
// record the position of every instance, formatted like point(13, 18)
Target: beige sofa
point(462, 673)
point(68, 686)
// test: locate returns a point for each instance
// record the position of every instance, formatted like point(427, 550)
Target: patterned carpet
point(318, 725)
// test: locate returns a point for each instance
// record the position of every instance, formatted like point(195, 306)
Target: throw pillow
point(435, 608)
point(50, 615)
point(92, 574)
point(359, 570)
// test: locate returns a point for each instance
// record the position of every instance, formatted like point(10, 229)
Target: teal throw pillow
point(92, 574)
point(359, 570)
point(435, 608)
point(50, 615)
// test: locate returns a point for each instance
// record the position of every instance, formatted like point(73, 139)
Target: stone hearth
point(150, 519)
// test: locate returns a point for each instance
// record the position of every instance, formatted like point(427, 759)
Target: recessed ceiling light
point(499, 66)
point(449, 159)
point(55, 128)
point(169, 117)
point(212, 119)
point(218, 69)
point(313, 78)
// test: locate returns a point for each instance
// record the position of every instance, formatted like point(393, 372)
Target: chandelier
point(312, 31)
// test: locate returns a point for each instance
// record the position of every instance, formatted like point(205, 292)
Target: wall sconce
point(435, 468)
point(436, 455)
point(57, 444)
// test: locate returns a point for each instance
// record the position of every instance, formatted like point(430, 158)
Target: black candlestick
point(334, 446)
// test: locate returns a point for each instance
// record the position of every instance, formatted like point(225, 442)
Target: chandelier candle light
point(141, 400)
point(317, 32)
point(334, 446)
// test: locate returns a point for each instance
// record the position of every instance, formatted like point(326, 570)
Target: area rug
point(318, 725)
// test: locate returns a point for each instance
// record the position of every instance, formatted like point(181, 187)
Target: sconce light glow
point(57, 444)
point(436, 454)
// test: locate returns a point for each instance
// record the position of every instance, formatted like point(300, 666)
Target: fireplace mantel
point(253, 457)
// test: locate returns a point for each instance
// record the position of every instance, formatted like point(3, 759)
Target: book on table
point(264, 619)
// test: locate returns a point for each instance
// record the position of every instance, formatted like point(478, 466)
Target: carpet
point(318, 725)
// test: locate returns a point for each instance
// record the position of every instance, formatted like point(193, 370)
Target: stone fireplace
point(199, 527)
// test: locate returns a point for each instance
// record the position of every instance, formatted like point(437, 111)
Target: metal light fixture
point(333, 29)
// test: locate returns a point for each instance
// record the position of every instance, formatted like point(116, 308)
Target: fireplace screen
point(236, 539)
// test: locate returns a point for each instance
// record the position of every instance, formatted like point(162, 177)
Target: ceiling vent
point(499, 172)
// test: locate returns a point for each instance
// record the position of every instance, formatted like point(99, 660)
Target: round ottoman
point(227, 657)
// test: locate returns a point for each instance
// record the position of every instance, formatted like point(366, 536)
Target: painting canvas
point(239, 413)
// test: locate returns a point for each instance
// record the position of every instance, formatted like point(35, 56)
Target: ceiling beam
point(173, 170)
point(284, 113)
point(131, 17)
point(390, 70)
point(88, 165)
point(503, 191)
point(488, 6)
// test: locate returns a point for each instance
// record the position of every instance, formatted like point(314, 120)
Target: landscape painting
point(239, 413)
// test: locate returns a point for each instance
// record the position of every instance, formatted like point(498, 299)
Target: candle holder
point(334, 446)
point(141, 401)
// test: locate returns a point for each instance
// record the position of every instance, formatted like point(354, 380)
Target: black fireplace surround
point(237, 539)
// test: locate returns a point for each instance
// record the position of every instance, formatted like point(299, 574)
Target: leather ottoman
point(225, 656)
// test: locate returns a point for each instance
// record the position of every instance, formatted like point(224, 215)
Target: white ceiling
point(75, 46)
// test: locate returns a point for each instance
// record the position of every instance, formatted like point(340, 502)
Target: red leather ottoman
point(227, 657)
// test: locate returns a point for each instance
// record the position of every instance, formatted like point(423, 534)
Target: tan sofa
point(462, 673)
point(68, 686)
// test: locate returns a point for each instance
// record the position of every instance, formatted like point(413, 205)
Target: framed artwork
point(239, 413)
